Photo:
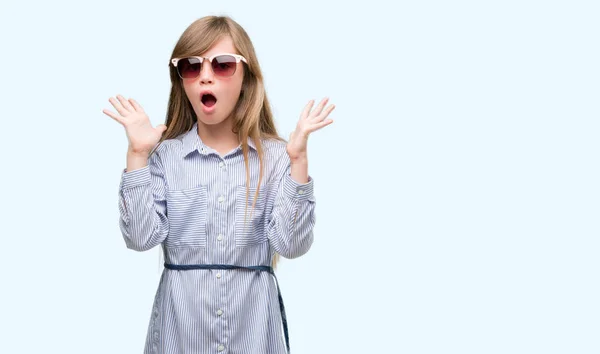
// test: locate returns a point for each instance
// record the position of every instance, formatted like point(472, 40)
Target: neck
point(218, 136)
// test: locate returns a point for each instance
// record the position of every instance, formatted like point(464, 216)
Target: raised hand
point(140, 133)
point(308, 123)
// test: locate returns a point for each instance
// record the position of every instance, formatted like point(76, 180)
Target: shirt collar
point(191, 142)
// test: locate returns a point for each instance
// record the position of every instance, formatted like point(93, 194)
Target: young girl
point(221, 192)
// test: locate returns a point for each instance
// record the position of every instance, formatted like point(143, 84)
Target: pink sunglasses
point(223, 65)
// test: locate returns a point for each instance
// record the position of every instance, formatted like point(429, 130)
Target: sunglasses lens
point(224, 65)
point(189, 68)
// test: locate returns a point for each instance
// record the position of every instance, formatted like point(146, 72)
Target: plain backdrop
point(457, 189)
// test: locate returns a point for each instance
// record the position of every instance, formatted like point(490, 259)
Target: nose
point(206, 73)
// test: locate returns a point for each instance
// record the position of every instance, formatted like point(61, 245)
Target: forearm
point(291, 229)
point(143, 221)
point(293, 218)
point(142, 202)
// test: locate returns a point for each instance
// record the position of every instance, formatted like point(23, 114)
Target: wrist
point(298, 159)
point(137, 153)
point(136, 160)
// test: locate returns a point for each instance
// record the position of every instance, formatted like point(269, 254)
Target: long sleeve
point(142, 206)
point(291, 221)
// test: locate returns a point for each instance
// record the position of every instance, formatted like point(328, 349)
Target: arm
point(291, 221)
point(142, 205)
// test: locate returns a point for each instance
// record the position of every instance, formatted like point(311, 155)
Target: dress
point(192, 202)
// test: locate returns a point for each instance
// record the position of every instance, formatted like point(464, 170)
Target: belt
point(254, 268)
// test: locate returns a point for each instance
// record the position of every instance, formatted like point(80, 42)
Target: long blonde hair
point(252, 116)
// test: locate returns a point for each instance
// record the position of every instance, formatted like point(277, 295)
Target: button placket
point(220, 237)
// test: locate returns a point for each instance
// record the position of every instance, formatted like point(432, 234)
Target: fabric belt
point(250, 268)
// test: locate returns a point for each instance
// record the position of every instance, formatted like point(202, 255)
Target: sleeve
point(291, 221)
point(142, 206)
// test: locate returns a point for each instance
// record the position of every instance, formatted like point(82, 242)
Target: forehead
point(223, 45)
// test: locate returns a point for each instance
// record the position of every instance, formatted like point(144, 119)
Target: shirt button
point(203, 150)
point(221, 347)
point(221, 164)
point(219, 238)
point(220, 312)
point(301, 191)
point(219, 275)
point(221, 199)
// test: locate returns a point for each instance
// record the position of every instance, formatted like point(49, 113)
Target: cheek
point(238, 84)
point(233, 90)
point(189, 91)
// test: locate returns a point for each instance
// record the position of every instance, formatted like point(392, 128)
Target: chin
point(211, 119)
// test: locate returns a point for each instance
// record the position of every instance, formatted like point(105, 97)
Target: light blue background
point(457, 188)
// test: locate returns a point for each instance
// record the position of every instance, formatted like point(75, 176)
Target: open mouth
point(208, 99)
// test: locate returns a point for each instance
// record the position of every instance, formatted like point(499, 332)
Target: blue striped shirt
point(192, 201)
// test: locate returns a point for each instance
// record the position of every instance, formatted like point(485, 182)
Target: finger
point(113, 116)
point(325, 113)
point(162, 128)
point(118, 106)
point(319, 125)
point(319, 108)
point(307, 109)
point(136, 105)
point(125, 103)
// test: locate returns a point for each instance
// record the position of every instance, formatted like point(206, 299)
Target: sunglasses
point(222, 65)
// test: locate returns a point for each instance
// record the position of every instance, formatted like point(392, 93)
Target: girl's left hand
point(308, 123)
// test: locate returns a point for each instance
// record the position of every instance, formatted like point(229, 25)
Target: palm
point(309, 122)
point(141, 134)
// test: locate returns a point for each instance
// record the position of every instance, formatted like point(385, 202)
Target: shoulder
point(276, 158)
point(275, 155)
point(170, 147)
point(274, 148)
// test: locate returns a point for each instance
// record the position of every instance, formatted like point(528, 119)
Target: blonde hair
point(252, 116)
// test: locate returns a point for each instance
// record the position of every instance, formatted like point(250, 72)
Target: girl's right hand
point(140, 133)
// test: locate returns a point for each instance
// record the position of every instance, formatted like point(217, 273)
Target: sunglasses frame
point(237, 57)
